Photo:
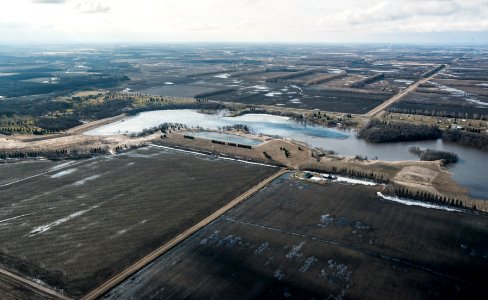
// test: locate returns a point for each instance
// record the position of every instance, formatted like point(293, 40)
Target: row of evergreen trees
point(53, 154)
point(348, 172)
point(429, 197)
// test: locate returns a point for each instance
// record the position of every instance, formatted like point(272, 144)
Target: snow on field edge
point(416, 203)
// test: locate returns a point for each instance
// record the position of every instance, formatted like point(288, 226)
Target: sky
point(308, 21)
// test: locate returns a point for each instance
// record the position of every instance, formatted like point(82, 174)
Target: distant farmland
point(73, 225)
point(301, 240)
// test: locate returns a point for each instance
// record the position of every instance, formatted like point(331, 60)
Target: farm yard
point(460, 91)
point(304, 240)
point(72, 225)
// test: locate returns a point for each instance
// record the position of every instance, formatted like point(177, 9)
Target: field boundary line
point(119, 278)
point(34, 285)
point(358, 249)
point(400, 95)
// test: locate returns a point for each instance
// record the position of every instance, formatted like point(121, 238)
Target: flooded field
point(468, 172)
point(302, 240)
point(72, 225)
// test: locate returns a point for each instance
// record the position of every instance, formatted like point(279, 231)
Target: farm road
point(375, 111)
point(119, 278)
point(36, 286)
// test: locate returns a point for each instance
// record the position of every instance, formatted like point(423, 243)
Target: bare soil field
point(72, 225)
point(302, 240)
point(458, 91)
point(443, 105)
point(308, 97)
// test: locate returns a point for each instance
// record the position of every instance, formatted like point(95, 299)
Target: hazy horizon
point(244, 21)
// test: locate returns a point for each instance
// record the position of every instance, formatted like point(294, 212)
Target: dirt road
point(398, 96)
point(105, 287)
point(34, 285)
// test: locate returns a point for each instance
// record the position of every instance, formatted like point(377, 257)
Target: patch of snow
point(308, 263)
point(44, 228)
point(454, 92)
point(261, 248)
point(316, 179)
point(223, 76)
point(416, 203)
point(334, 71)
point(272, 94)
point(83, 181)
point(61, 166)
point(406, 81)
point(24, 215)
point(278, 274)
point(63, 173)
point(259, 87)
point(294, 252)
point(247, 162)
point(355, 181)
point(325, 220)
point(297, 87)
point(476, 101)
point(479, 84)
point(361, 226)
point(323, 177)
point(168, 83)
point(212, 238)
point(384, 71)
point(230, 241)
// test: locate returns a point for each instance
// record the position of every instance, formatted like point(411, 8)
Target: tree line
point(429, 197)
point(346, 171)
point(431, 155)
point(377, 131)
point(53, 154)
point(477, 140)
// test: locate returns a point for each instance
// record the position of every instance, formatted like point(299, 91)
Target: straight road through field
point(36, 286)
point(398, 96)
point(119, 278)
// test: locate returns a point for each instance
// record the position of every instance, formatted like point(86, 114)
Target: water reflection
point(470, 171)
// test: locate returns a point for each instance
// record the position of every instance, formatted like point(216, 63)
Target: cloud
point(92, 7)
point(49, 1)
point(413, 15)
point(245, 20)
